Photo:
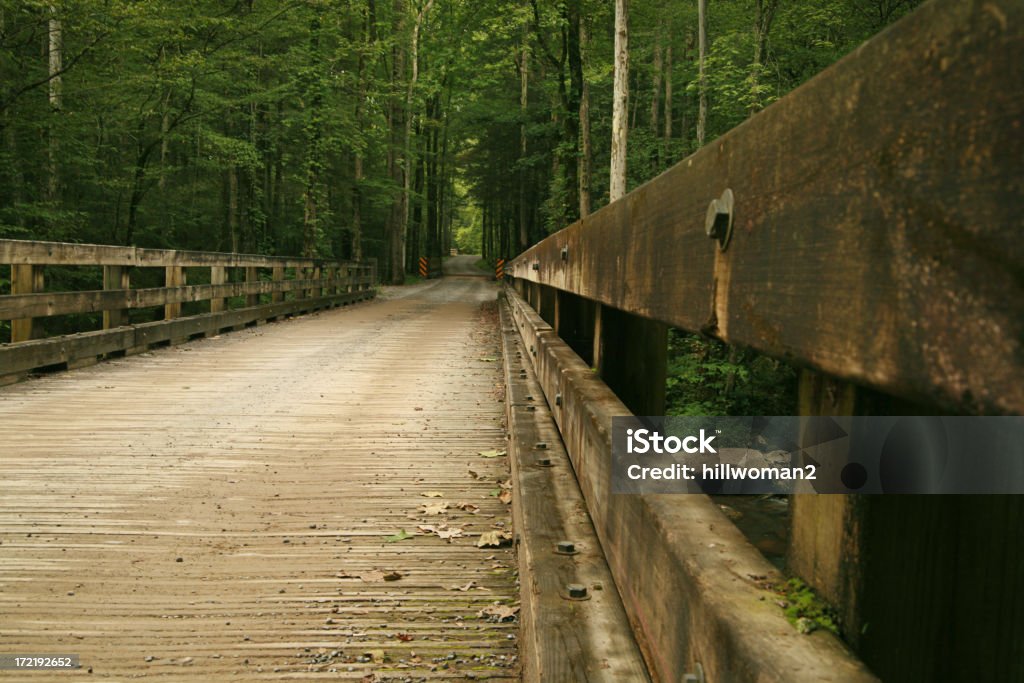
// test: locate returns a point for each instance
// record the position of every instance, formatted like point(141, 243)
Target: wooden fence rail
point(294, 285)
point(866, 227)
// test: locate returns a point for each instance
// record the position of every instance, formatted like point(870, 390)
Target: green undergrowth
point(806, 610)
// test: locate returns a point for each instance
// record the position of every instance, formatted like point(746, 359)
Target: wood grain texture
point(274, 462)
point(877, 220)
point(15, 358)
point(687, 576)
point(561, 640)
point(64, 253)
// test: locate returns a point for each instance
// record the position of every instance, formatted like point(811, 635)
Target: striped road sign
point(424, 271)
point(499, 269)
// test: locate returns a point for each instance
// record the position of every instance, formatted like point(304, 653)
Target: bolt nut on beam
point(544, 462)
point(565, 253)
point(576, 591)
point(719, 219)
point(536, 265)
point(566, 548)
point(540, 446)
point(558, 399)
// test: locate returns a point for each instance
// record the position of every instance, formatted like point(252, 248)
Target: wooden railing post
point(174, 276)
point(217, 277)
point(26, 279)
point(278, 276)
point(115, 277)
point(318, 288)
point(252, 276)
point(631, 356)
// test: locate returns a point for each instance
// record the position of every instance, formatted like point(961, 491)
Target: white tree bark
point(55, 66)
point(620, 101)
point(702, 29)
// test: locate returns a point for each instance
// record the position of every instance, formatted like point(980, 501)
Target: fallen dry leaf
point(392, 576)
point(505, 497)
point(434, 508)
point(432, 494)
point(491, 454)
point(469, 507)
point(494, 539)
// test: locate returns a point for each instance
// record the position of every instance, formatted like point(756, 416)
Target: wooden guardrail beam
point(313, 288)
point(876, 226)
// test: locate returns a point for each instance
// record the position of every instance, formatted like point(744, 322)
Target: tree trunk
point(54, 64)
point(524, 70)
point(764, 12)
point(666, 154)
point(586, 156)
point(702, 111)
point(655, 101)
point(620, 101)
point(414, 46)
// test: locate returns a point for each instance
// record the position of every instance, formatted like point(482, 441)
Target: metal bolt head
point(558, 399)
point(576, 590)
point(565, 253)
point(540, 445)
point(536, 265)
point(719, 219)
point(544, 462)
point(566, 547)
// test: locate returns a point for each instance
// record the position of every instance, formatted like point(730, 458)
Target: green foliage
point(806, 611)
point(706, 377)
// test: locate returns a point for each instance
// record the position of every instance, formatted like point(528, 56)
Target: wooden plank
point(174, 277)
point(252, 277)
point(239, 458)
point(561, 640)
point(25, 279)
point(68, 348)
point(59, 303)
point(277, 275)
point(877, 220)
point(63, 253)
point(218, 276)
point(114, 278)
point(686, 575)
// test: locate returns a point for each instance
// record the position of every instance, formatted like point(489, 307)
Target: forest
point(349, 128)
point(390, 129)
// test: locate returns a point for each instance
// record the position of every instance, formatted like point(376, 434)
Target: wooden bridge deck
point(221, 509)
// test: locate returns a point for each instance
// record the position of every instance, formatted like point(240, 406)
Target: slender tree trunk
point(764, 13)
point(655, 101)
point(524, 71)
point(620, 101)
point(414, 46)
point(702, 86)
point(666, 154)
point(586, 155)
point(233, 207)
point(55, 64)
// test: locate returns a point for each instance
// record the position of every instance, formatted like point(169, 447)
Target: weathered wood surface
point(691, 584)
point(68, 348)
point(561, 640)
point(274, 462)
point(59, 303)
point(64, 253)
point(877, 220)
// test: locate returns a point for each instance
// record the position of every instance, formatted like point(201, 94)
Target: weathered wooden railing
point(272, 287)
point(876, 224)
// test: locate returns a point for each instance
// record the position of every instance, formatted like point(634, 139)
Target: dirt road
point(231, 509)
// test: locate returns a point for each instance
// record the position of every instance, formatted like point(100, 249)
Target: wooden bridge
point(413, 483)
